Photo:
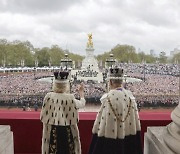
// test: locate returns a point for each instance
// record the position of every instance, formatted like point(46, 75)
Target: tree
point(123, 53)
point(56, 54)
point(42, 56)
point(150, 58)
point(75, 57)
point(18, 52)
point(162, 57)
point(176, 58)
point(103, 57)
point(3, 51)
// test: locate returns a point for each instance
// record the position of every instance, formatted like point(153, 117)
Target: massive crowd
point(86, 73)
point(162, 69)
point(160, 86)
point(22, 84)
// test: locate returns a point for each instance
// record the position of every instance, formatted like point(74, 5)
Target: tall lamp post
point(34, 73)
point(179, 87)
point(4, 64)
point(144, 69)
point(125, 81)
point(110, 61)
point(179, 79)
point(66, 62)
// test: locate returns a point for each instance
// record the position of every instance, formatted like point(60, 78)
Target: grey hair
point(116, 81)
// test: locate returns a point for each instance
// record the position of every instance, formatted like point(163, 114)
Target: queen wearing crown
point(117, 127)
point(59, 116)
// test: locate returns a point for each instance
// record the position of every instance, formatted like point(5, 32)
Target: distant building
point(152, 53)
point(175, 51)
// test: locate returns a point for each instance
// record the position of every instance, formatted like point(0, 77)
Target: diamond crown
point(116, 72)
point(61, 75)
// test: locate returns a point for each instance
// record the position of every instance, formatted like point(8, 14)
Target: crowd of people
point(93, 91)
point(86, 73)
point(155, 85)
point(22, 84)
point(162, 69)
point(160, 86)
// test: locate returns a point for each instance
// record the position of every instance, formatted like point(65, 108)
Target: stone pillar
point(6, 140)
point(164, 140)
point(172, 137)
point(153, 141)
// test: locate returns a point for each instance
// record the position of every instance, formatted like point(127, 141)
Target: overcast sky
point(145, 24)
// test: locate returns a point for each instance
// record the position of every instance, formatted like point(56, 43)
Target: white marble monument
point(164, 140)
point(90, 63)
point(6, 140)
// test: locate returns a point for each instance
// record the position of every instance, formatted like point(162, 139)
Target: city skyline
point(146, 25)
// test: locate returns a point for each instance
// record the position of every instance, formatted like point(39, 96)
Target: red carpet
point(5, 114)
point(27, 127)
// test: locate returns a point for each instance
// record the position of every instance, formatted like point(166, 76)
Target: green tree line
point(127, 53)
point(18, 53)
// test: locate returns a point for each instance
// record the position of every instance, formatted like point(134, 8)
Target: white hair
point(61, 87)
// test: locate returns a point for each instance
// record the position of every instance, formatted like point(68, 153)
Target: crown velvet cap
point(61, 77)
point(116, 73)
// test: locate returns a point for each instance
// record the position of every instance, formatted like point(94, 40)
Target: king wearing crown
point(117, 127)
point(59, 116)
point(116, 73)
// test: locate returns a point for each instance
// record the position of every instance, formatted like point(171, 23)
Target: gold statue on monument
point(90, 43)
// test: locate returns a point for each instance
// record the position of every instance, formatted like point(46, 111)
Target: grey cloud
point(66, 23)
point(36, 6)
point(157, 13)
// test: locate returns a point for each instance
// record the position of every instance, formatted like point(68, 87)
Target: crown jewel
point(116, 72)
point(61, 75)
